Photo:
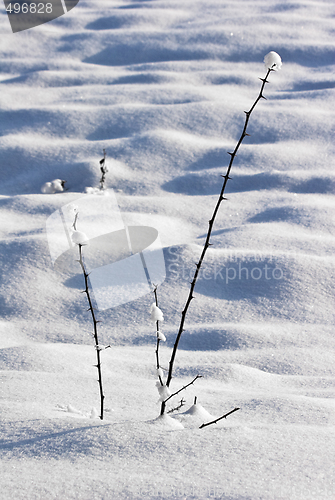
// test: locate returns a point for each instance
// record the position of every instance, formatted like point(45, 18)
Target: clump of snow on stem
point(155, 313)
point(160, 373)
point(272, 60)
point(164, 392)
point(55, 186)
point(79, 238)
point(161, 336)
point(71, 208)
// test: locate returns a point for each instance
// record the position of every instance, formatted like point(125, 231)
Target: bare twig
point(158, 340)
point(181, 404)
point(211, 223)
point(104, 170)
point(182, 389)
point(74, 225)
point(217, 419)
point(95, 327)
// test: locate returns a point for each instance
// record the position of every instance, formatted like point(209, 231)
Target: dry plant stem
point(95, 335)
point(217, 419)
point(177, 392)
point(181, 404)
point(211, 223)
point(103, 169)
point(158, 340)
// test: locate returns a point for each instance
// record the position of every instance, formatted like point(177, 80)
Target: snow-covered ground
point(162, 85)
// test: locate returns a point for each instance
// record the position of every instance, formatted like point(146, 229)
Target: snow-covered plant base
point(103, 171)
point(159, 85)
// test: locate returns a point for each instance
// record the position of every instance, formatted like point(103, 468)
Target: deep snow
point(162, 86)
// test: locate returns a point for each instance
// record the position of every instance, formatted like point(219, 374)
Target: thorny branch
point(95, 327)
point(103, 169)
point(217, 419)
point(176, 408)
point(211, 223)
point(158, 339)
point(182, 389)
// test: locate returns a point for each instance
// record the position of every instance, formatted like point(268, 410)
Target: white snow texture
point(163, 86)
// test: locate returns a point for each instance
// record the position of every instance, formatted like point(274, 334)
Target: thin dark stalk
point(182, 389)
point(181, 404)
point(211, 223)
point(95, 327)
point(103, 169)
point(217, 419)
point(158, 340)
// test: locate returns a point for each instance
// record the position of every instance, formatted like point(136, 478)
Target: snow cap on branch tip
point(272, 60)
point(155, 313)
point(161, 336)
point(79, 238)
point(71, 208)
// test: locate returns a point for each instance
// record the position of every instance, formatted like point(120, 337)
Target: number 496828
point(32, 8)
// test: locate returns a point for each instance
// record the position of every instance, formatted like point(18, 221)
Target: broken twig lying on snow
point(217, 419)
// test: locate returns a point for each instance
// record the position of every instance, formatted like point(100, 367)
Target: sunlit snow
point(163, 87)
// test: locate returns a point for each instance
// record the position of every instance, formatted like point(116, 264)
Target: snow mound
point(165, 421)
point(163, 87)
point(197, 410)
